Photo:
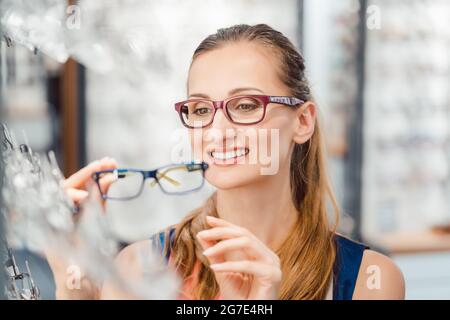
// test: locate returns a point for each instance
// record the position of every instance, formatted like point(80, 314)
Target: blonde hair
point(308, 251)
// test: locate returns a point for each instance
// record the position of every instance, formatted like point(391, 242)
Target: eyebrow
point(230, 93)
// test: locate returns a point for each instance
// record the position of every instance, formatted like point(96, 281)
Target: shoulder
point(362, 273)
point(156, 244)
point(128, 256)
point(378, 278)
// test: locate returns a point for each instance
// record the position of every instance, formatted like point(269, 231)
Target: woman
point(260, 236)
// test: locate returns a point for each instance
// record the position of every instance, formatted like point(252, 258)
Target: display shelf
point(406, 170)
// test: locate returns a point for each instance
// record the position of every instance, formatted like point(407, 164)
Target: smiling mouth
point(228, 155)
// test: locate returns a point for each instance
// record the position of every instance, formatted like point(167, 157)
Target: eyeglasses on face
point(173, 179)
point(241, 110)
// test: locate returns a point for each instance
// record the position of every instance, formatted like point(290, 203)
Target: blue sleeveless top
point(345, 270)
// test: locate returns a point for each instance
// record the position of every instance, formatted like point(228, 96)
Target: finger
point(205, 244)
point(79, 178)
point(221, 233)
point(257, 269)
point(208, 244)
point(77, 196)
point(252, 248)
point(106, 181)
point(233, 231)
point(96, 194)
point(217, 222)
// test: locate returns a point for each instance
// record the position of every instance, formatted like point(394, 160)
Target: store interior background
point(107, 88)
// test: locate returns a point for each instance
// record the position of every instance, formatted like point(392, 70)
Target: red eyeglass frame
point(222, 104)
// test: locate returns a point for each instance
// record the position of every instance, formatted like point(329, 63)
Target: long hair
point(308, 252)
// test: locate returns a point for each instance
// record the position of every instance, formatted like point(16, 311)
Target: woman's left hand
point(245, 268)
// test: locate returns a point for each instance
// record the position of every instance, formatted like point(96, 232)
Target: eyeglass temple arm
point(162, 175)
point(290, 101)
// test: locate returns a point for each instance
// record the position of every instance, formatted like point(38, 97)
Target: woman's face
point(239, 155)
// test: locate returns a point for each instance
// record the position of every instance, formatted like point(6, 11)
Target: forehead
point(235, 65)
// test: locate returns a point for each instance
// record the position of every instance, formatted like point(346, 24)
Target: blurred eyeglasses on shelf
point(21, 285)
point(173, 179)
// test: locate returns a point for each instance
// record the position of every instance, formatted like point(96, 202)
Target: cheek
point(276, 139)
point(197, 145)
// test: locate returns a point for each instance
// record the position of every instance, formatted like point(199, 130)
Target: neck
point(264, 208)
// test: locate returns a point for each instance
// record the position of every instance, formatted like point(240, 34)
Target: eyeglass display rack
point(333, 47)
point(2, 242)
point(406, 123)
point(45, 100)
point(387, 96)
point(347, 83)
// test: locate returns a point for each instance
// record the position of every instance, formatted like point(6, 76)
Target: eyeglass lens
point(177, 179)
point(241, 110)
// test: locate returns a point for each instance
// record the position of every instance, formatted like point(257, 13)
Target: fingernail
point(207, 252)
point(213, 266)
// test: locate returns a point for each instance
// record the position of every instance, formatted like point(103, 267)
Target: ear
point(305, 122)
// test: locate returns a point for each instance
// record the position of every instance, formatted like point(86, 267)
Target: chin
point(231, 177)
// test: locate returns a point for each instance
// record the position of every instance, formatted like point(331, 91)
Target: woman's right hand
point(64, 272)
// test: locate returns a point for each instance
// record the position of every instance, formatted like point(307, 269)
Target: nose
point(222, 128)
point(221, 121)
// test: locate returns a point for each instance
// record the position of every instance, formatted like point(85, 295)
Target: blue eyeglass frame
point(146, 174)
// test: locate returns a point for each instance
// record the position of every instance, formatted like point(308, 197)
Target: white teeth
point(229, 154)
